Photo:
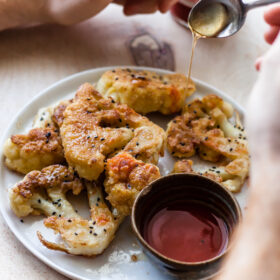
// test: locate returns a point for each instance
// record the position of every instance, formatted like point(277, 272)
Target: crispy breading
point(94, 127)
point(81, 236)
point(37, 149)
point(204, 128)
point(146, 91)
point(125, 178)
point(43, 192)
point(183, 166)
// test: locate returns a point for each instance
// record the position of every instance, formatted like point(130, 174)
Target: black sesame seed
point(231, 149)
point(53, 213)
point(88, 98)
point(59, 205)
point(102, 139)
point(113, 101)
point(128, 70)
point(97, 204)
point(116, 78)
point(91, 227)
point(90, 231)
point(214, 167)
point(22, 221)
point(76, 211)
point(206, 138)
point(194, 111)
point(204, 154)
point(69, 221)
point(88, 137)
point(132, 76)
point(41, 119)
point(48, 134)
point(120, 120)
point(218, 171)
point(94, 222)
point(59, 200)
point(98, 198)
point(59, 215)
point(129, 186)
point(39, 200)
point(105, 230)
point(137, 144)
point(218, 126)
point(115, 218)
point(173, 153)
point(182, 144)
point(95, 234)
point(76, 233)
point(114, 71)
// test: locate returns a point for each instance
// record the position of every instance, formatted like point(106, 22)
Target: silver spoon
point(221, 18)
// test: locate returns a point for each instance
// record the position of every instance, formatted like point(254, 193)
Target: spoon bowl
point(236, 12)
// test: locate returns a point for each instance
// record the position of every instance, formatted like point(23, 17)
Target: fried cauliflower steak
point(125, 178)
point(146, 91)
point(94, 128)
point(204, 128)
point(44, 192)
point(81, 236)
point(39, 148)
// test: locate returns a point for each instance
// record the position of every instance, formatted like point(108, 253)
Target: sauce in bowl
point(187, 232)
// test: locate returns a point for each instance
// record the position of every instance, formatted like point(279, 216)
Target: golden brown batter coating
point(146, 91)
point(94, 127)
point(37, 149)
point(125, 178)
point(204, 128)
point(85, 237)
point(43, 192)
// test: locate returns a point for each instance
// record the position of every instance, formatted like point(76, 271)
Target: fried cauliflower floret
point(125, 178)
point(85, 237)
point(146, 91)
point(183, 166)
point(204, 128)
point(43, 118)
point(37, 149)
point(94, 127)
point(43, 192)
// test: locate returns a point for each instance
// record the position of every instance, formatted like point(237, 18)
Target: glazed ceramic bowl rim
point(158, 254)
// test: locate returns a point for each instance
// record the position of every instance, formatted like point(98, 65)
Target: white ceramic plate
point(116, 262)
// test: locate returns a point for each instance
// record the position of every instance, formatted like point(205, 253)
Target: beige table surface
point(33, 59)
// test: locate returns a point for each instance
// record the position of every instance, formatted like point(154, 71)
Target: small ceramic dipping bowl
point(184, 189)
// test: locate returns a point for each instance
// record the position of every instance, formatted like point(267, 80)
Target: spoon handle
point(259, 3)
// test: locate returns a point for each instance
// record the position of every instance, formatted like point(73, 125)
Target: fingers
point(140, 7)
point(272, 15)
point(165, 5)
point(271, 34)
point(258, 63)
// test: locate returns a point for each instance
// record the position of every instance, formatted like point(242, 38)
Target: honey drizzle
point(195, 37)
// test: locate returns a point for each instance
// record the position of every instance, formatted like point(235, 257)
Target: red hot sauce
point(188, 232)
